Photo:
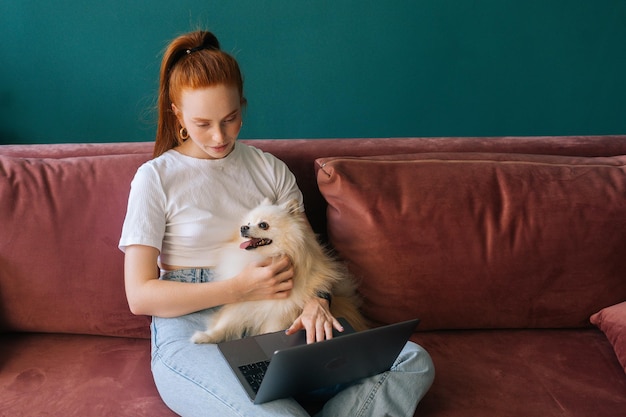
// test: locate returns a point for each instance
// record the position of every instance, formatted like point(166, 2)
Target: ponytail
point(191, 61)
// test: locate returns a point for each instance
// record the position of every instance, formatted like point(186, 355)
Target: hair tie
point(196, 49)
point(208, 44)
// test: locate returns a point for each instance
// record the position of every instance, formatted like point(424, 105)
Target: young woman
point(182, 207)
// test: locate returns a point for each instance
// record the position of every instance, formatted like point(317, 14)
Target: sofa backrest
point(62, 207)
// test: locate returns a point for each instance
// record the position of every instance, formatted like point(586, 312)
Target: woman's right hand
point(271, 278)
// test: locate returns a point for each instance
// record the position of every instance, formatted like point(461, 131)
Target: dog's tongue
point(249, 244)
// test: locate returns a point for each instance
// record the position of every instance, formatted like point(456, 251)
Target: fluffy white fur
point(280, 230)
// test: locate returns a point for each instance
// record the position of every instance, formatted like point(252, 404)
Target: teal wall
point(82, 71)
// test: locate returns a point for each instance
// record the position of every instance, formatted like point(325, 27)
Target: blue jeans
point(194, 380)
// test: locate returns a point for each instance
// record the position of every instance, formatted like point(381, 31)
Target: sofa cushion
point(612, 321)
point(522, 373)
point(474, 240)
point(77, 376)
point(61, 222)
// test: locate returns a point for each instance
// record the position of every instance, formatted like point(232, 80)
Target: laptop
point(274, 365)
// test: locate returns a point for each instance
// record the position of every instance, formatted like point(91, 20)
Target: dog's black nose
point(244, 229)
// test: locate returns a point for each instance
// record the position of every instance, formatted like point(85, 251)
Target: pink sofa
point(511, 250)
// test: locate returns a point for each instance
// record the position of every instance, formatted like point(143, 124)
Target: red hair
point(191, 61)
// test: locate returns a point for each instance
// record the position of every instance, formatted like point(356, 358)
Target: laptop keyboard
point(254, 373)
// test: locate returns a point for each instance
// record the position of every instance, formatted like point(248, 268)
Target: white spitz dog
point(268, 231)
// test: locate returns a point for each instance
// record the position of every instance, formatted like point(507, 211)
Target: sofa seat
point(523, 373)
point(77, 375)
point(489, 372)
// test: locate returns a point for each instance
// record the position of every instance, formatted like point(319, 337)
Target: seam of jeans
point(372, 394)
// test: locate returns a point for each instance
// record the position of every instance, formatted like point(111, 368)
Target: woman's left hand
point(317, 320)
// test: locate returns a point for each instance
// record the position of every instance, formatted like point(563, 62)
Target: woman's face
point(212, 117)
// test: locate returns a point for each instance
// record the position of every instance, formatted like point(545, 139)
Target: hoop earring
point(184, 135)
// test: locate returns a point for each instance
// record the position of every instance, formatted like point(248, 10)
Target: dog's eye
point(264, 226)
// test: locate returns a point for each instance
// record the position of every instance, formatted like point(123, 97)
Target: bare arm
point(148, 295)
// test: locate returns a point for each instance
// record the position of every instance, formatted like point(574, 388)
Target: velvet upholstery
point(75, 375)
point(513, 241)
point(62, 219)
point(497, 373)
point(69, 345)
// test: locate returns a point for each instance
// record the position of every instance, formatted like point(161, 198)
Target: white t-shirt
point(188, 208)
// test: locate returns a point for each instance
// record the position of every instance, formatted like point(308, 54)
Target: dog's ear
point(292, 206)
